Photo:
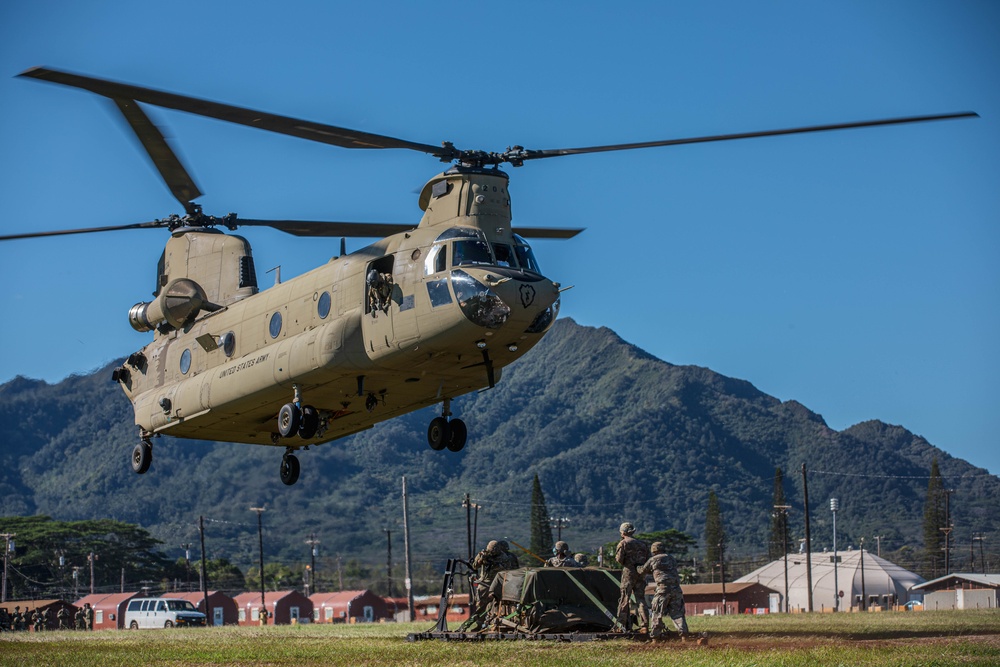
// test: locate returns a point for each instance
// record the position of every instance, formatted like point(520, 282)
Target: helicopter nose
point(495, 302)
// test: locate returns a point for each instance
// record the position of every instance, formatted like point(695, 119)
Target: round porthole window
point(323, 305)
point(228, 343)
point(185, 361)
point(275, 326)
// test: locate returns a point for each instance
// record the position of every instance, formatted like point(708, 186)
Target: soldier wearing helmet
point(631, 554)
point(561, 557)
point(667, 599)
point(487, 563)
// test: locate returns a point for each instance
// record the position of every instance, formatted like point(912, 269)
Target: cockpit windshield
point(525, 257)
point(471, 252)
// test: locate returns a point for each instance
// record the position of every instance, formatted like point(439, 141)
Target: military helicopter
point(430, 312)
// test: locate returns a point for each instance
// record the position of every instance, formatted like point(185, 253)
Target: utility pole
point(878, 545)
point(314, 549)
point(388, 562)
point(204, 569)
point(260, 538)
point(7, 550)
point(864, 600)
point(783, 511)
point(408, 582)
point(187, 563)
point(809, 566)
point(947, 530)
point(722, 572)
point(92, 557)
point(834, 506)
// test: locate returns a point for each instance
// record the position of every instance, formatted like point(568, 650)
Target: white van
point(162, 613)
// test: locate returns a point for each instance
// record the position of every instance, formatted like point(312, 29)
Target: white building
point(883, 583)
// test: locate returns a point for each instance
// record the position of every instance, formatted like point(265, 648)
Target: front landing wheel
point(289, 469)
point(142, 456)
point(437, 433)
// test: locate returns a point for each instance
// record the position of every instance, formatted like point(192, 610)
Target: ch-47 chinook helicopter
point(430, 312)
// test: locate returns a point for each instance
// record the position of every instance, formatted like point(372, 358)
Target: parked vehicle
point(162, 613)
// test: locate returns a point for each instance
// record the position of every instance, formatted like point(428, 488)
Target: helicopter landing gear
point(446, 432)
point(142, 456)
point(297, 418)
point(289, 468)
point(310, 422)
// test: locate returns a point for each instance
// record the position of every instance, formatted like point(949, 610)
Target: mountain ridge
point(613, 433)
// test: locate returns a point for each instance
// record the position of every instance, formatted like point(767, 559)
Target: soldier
point(63, 617)
point(631, 554)
point(29, 620)
point(263, 615)
point(668, 598)
point(5, 621)
point(88, 616)
point(78, 619)
point(508, 561)
point(581, 559)
point(560, 557)
point(39, 622)
point(486, 564)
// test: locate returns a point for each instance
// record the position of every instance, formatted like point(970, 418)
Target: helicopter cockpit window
point(470, 252)
point(185, 361)
point(274, 327)
point(228, 343)
point(436, 260)
point(504, 255)
point(460, 233)
point(525, 256)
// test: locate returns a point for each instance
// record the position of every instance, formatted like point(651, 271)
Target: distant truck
point(162, 613)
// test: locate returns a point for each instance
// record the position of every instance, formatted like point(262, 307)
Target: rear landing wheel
point(289, 469)
point(142, 456)
point(437, 433)
point(457, 434)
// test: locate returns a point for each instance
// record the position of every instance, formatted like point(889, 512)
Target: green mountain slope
point(613, 433)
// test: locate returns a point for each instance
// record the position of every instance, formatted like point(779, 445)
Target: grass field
point(922, 638)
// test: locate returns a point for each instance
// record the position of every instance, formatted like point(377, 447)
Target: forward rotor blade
point(327, 134)
point(318, 228)
point(555, 152)
point(87, 230)
point(546, 232)
point(164, 159)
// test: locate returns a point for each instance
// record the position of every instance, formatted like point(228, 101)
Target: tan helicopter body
point(464, 297)
point(421, 317)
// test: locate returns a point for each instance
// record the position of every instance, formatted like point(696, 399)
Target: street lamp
point(834, 506)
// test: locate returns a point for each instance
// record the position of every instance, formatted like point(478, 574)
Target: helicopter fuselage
point(416, 319)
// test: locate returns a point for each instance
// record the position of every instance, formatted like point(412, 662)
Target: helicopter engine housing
point(177, 303)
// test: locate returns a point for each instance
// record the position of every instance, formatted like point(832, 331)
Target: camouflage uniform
point(667, 599)
point(508, 561)
point(631, 554)
point(561, 557)
point(4, 620)
point(581, 559)
point(62, 616)
point(78, 618)
point(88, 616)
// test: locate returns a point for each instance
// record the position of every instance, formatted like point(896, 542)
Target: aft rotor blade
point(555, 152)
point(327, 134)
point(164, 159)
point(87, 230)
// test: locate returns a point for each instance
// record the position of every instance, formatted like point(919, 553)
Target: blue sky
point(855, 272)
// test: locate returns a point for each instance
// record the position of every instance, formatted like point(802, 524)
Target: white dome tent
point(885, 583)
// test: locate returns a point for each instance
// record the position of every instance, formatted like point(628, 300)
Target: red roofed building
point(223, 608)
point(109, 610)
point(283, 607)
point(349, 607)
